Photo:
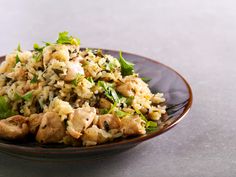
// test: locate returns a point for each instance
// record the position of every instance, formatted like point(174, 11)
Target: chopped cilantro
point(76, 80)
point(63, 38)
point(90, 79)
point(27, 96)
point(109, 91)
point(5, 109)
point(146, 79)
point(34, 80)
point(127, 68)
point(120, 113)
point(19, 48)
point(17, 59)
point(103, 111)
point(142, 116)
point(37, 57)
point(38, 48)
point(151, 126)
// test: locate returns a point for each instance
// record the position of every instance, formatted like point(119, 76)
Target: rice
point(87, 90)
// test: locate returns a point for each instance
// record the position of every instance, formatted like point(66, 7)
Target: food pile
point(59, 93)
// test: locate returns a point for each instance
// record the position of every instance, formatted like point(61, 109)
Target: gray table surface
point(196, 37)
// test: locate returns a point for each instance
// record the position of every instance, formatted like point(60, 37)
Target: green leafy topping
point(47, 43)
point(38, 48)
point(142, 116)
point(19, 48)
point(17, 59)
point(151, 126)
point(76, 80)
point(5, 110)
point(27, 96)
point(34, 80)
point(17, 96)
point(112, 108)
point(120, 113)
point(109, 91)
point(129, 100)
point(90, 79)
point(127, 68)
point(37, 57)
point(146, 79)
point(63, 38)
point(103, 111)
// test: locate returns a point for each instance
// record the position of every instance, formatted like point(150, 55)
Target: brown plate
point(163, 79)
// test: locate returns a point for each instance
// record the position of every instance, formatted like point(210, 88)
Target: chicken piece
point(108, 121)
point(51, 129)
point(74, 68)
point(94, 135)
point(14, 128)
point(34, 122)
point(132, 86)
point(80, 120)
point(132, 125)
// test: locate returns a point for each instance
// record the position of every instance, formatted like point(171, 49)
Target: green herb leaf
point(18, 48)
point(146, 79)
point(27, 96)
point(63, 38)
point(142, 116)
point(38, 48)
point(37, 57)
point(34, 80)
point(151, 126)
point(17, 97)
point(109, 91)
point(17, 59)
point(90, 79)
point(76, 80)
point(5, 110)
point(47, 43)
point(127, 68)
point(120, 113)
point(103, 111)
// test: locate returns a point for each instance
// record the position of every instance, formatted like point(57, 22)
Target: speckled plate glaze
point(163, 79)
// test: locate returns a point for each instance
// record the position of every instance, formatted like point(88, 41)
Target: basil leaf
point(127, 68)
point(63, 38)
point(5, 110)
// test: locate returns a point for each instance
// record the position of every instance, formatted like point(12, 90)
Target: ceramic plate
point(163, 79)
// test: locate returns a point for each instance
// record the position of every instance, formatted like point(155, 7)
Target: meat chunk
point(51, 129)
point(34, 122)
point(74, 68)
point(81, 119)
point(132, 86)
point(108, 121)
point(14, 128)
point(132, 125)
point(94, 135)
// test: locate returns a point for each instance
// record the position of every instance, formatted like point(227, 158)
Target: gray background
point(196, 37)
